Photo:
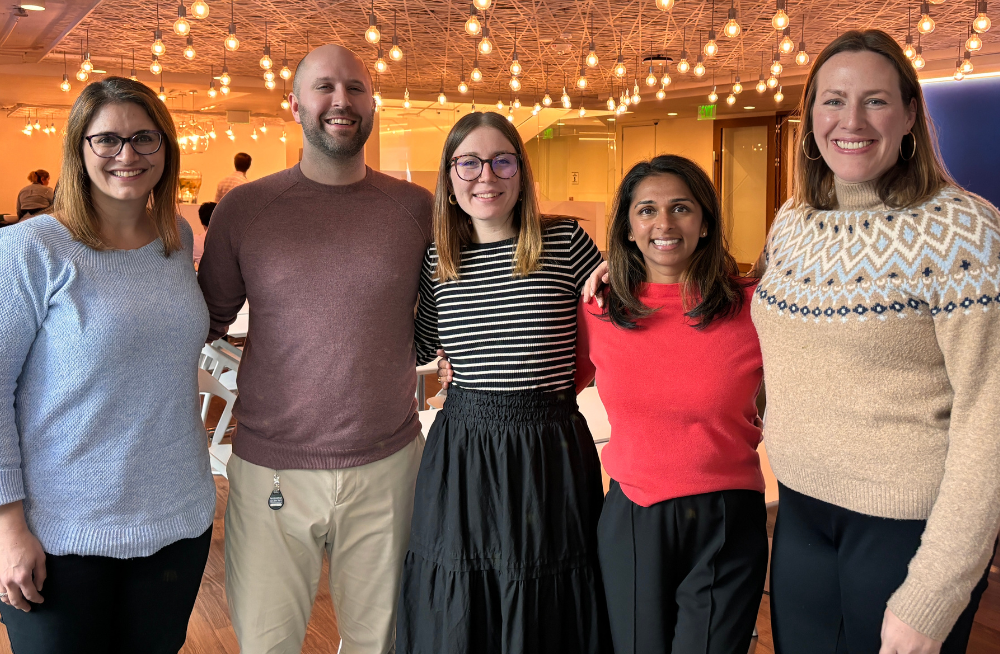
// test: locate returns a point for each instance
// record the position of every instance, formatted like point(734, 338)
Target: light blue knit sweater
point(99, 427)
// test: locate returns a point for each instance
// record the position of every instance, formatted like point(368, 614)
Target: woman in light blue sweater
point(106, 491)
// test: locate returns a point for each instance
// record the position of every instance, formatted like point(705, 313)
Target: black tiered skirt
point(503, 548)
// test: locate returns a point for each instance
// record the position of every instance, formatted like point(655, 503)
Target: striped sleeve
point(425, 333)
point(584, 256)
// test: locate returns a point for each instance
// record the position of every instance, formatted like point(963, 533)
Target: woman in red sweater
point(682, 537)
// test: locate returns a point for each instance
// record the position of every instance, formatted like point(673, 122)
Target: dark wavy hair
point(710, 287)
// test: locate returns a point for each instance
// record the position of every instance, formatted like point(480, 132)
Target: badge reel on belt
point(276, 500)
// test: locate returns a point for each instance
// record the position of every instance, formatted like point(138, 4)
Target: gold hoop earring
point(912, 154)
point(452, 200)
point(805, 145)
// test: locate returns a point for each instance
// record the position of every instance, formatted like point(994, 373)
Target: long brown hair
point(452, 229)
point(910, 181)
point(74, 206)
point(710, 288)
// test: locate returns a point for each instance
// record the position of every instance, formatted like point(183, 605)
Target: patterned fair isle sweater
point(880, 334)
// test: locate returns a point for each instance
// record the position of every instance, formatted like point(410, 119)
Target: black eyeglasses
point(469, 167)
point(108, 146)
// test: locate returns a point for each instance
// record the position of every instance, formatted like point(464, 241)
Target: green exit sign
point(706, 112)
point(547, 134)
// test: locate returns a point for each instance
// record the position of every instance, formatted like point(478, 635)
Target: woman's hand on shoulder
point(597, 280)
point(445, 371)
point(900, 638)
point(22, 560)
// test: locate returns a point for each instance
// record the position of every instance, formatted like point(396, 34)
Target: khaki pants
point(360, 515)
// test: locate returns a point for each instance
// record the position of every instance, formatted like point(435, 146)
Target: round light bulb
point(664, 5)
point(212, 92)
point(772, 82)
point(776, 67)
point(699, 69)
point(802, 58)
point(583, 112)
point(224, 89)
point(959, 75)
point(406, 104)
point(372, 35)
point(212, 131)
point(611, 103)
point(974, 44)
point(515, 84)
point(396, 53)
point(517, 103)
point(473, 26)
point(730, 99)
point(967, 64)
point(161, 95)
point(926, 24)
point(285, 104)
point(82, 76)
point(283, 139)
point(199, 9)
point(64, 86)
point(779, 96)
point(636, 98)
point(660, 94)
point(909, 50)
point(499, 104)
point(515, 68)
point(87, 65)
point(564, 98)
point(592, 59)
point(485, 45)
point(182, 27)
point(787, 45)
point(581, 83)
point(713, 97)
point(482, 5)
point(225, 79)
point(269, 84)
point(547, 100)
point(732, 28)
point(476, 75)
point(155, 66)
point(780, 20)
point(651, 79)
point(158, 48)
point(266, 63)
point(377, 97)
point(761, 86)
point(711, 48)
point(737, 88)
point(463, 87)
point(919, 62)
point(253, 134)
point(285, 73)
point(263, 127)
point(665, 80)
point(269, 75)
point(189, 52)
point(442, 98)
point(232, 43)
point(620, 69)
point(982, 23)
point(536, 108)
point(380, 65)
point(683, 66)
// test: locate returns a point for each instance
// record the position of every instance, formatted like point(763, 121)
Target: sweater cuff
point(931, 612)
point(11, 485)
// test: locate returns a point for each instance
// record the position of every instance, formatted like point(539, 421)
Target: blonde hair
point(910, 181)
point(74, 206)
point(451, 225)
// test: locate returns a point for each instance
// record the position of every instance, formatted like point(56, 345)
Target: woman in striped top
point(502, 554)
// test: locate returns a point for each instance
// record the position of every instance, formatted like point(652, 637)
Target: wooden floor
point(210, 632)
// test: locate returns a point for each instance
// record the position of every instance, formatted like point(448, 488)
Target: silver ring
point(2, 595)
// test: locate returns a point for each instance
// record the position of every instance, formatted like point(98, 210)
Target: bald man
point(326, 453)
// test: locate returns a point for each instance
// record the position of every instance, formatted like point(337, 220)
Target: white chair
point(221, 365)
point(218, 453)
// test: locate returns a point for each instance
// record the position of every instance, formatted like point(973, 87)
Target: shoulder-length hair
point(910, 181)
point(710, 287)
point(452, 228)
point(74, 206)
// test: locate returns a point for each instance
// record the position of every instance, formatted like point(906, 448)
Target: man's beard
point(331, 146)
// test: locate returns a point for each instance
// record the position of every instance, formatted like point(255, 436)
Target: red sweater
point(681, 402)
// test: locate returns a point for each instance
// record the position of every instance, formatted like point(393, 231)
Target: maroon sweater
point(328, 373)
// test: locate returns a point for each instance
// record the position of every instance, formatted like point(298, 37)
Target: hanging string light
point(395, 52)
point(731, 99)
point(683, 66)
point(779, 96)
point(265, 60)
point(155, 66)
point(665, 80)
point(380, 65)
point(372, 35)
point(157, 48)
point(181, 26)
point(285, 73)
point(581, 81)
point(918, 61)
point(926, 24)
point(737, 86)
point(802, 57)
point(660, 93)
point(65, 86)
point(515, 84)
point(212, 92)
point(515, 65)
point(232, 43)
point(732, 28)
point(472, 25)
point(713, 96)
point(485, 44)
point(776, 66)
point(199, 9)
point(780, 19)
point(87, 65)
point(967, 62)
point(699, 66)
point(761, 84)
point(974, 42)
point(787, 45)
point(982, 22)
point(592, 58)
point(189, 52)
point(651, 77)
point(908, 44)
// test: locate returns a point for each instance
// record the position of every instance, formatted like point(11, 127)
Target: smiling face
point(128, 177)
point(333, 102)
point(665, 221)
point(859, 118)
point(487, 198)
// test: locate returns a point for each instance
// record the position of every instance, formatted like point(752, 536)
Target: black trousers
point(685, 575)
point(832, 573)
point(101, 605)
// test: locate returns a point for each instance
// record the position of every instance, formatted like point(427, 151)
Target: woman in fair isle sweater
point(879, 323)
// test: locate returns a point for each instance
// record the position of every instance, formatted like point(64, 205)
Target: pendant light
point(87, 65)
point(499, 103)
point(515, 84)
point(592, 58)
point(665, 80)
point(285, 104)
point(651, 77)
point(462, 86)
point(683, 66)
point(395, 52)
point(181, 26)
point(802, 57)
point(482, 5)
point(472, 26)
point(377, 94)
point(581, 81)
point(546, 99)
point(515, 65)
point(253, 134)
point(732, 28)
point(65, 86)
point(476, 75)
point(974, 42)
point(372, 35)
point(441, 96)
point(485, 44)
point(982, 22)
point(406, 84)
point(779, 96)
point(711, 48)
point(265, 59)
point(564, 98)
point(285, 73)
point(189, 52)
point(611, 101)
point(786, 45)
point(776, 66)
point(157, 48)
point(199, 9)
point(918, 61)
point(699, 66)
point(926, 24)
point(619, 69)
point(270, 84)
point(263, 127)
point(713, 97)
point(737, 86)
point(908, 44)
point(269, 75)
point(731, 99)
point(155, 66)
point(212, 92)
point(510, 115)
point(660, 93)
point(664, 5)
point(132, 76)
point(761, 84)
point(232, 43)
point(780, 19)
point(380, 65)
point(224, 78)
point(162, 95)
point(516, 103)
point(967, 62)
point(282, 138)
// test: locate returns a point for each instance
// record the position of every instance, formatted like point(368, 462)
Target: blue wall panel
point(966, 115)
